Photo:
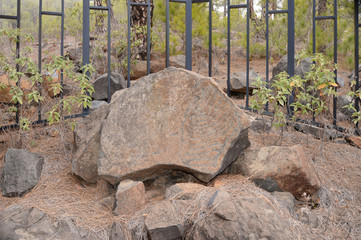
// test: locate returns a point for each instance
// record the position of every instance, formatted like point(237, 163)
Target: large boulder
point(117, 82)
point(21, 172)
point(289, 167)
point(301, 68)
point(171, 120)
point(87, 144)
point(238, 81)
point(253, 217)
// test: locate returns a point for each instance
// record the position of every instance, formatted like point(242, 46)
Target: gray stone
point(317, 132)
point(268, 184)
point(87, 144)
point(164, 222)
point(301, 68)
point(340, 81)
point(238, 81)
point(97, 104)
point(171, 120)
point(21, 172)
point(342, 101)
point(117, 82)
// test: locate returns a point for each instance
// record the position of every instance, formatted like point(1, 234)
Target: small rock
point(97, 104)
point(290, 167)
point(268, 184)
point(117, 82)
point(238, 81)
point(130, 197)
point(164, 222)
point(340, 81)
point(342, 101)
point(301, 68)
point(21, 172)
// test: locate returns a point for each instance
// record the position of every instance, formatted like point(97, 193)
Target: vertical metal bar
point(189, 35)
point(247, 70)
point(357, 100)
point(109, 48)
point(210, 40)
point(291, 47)
point(40, 49)
point(62, 51)
point(335, 61)
point(167, 33)
point(313, 40)
point(228, 48)
point(86, 44)
point(148, 37)
point(267, 49)
point(314, 26)
point(129, 29)
point(18, 21)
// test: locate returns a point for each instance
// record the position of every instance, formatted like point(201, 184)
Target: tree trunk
point(99, 19)
point(138, 22)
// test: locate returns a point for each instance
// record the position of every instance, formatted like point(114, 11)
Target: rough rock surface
point(87, 144)
point(290, 167)
point(164, 222)
point(238, 81)
point(171, 120)
point(117, 82)
point(354, 141)
point(130, 197)
point(31, 223)
point(241, 218)
point(21, 172)
point(301, 69)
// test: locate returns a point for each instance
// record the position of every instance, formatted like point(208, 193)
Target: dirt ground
point(60, 194)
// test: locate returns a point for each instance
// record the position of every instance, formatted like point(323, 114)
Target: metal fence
point(188, 51)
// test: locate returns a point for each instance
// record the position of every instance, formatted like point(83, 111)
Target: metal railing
point(18, 21)
point(188, 16)
point(334, 18)
point(129, 4)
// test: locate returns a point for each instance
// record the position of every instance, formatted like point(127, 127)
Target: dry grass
point(61, 195)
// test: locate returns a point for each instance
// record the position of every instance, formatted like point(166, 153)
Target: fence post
point(86, 45)
point(291, 48)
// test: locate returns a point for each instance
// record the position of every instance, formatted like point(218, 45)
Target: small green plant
point(311, 94)
point(25, 71)
point(356, 115)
